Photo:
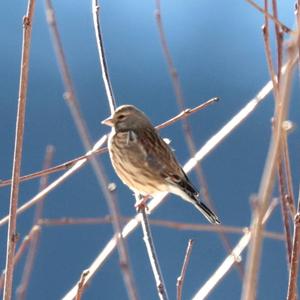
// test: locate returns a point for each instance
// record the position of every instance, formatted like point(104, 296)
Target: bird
point(145, 162)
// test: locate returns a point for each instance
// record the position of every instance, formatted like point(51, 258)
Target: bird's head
point(127, 117)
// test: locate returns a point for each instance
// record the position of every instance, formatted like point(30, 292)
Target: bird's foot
point(142, 204)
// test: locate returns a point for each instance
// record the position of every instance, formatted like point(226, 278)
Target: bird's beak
point(108, 121)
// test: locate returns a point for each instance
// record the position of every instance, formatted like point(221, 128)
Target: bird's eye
point(121, 117)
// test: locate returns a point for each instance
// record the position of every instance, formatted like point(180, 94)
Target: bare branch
point(293, 276)
point(269, 16)
point(21, 291)
point(279, 39)
point(287, 164)
point(14, 193)
point(230, 260)
point(101, 52)
point(76, 164)
point(188, 135)
point(180, 279)
point(81, 286)
point(67, 165)
point(163, 223)
point(284, 210)
point(35, 230)
point(69, 94)
point(275, 81)
point(187, 112)
point(224, 268)
point(126, 267)
point(266, 34)
point(160, 285)
point(154, 203)
point(267, 181)
point(56, 182)
point(212, 143)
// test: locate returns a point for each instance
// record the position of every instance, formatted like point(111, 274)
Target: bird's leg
point(141, 202)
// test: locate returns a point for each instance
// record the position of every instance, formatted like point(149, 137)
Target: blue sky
point(217, 48)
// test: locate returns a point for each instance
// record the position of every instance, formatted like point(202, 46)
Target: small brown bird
point(143, 160)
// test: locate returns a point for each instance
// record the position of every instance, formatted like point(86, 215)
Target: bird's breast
point(130, 162)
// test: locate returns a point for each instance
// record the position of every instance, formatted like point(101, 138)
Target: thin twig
point(154, 203)
point(109, 248)
point(64, 166)
point(56, 182)
point(267, 182)
point(35, 230)
point(275, 20)
point(229, 261)
point(69, 94)
point(211, 144)
point(205, 150)
point(101, 52)
point(293, 276)
point(270, 209)
point(67, 165)
point(14, 193)
point(284, 210)
point(188, 134)
point(223, 268)
point(81, 286)
point(160, 285)
point(266, 34)
point(279, 39)
point(80, 162)
point(84, 135)
point(180, 279)
point(125, 264)
point(21, 291)
point(286, 158)
point(187, 112)
point(275, 80)
point(163, 223)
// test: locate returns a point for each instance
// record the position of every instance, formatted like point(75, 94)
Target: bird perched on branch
point(145, 162)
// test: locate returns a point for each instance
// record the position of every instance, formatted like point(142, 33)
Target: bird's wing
point(182, 182)
point(161, 159)
point(188, 186)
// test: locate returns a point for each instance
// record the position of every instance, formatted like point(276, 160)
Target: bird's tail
point(186, 191)
point(209, 215)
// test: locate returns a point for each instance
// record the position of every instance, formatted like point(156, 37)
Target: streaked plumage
point(143, 160)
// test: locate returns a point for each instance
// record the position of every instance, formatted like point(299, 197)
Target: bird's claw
point(141, 204)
